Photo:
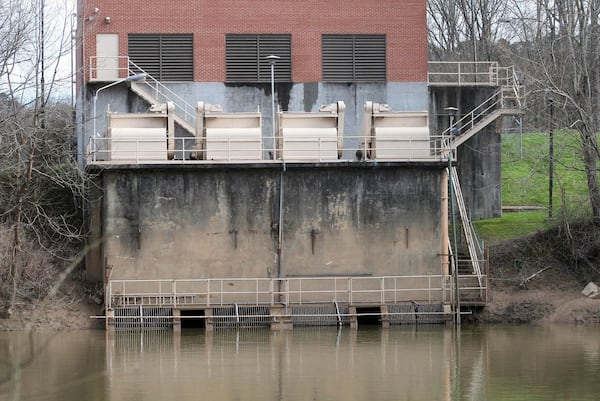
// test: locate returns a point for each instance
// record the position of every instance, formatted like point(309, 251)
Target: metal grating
point(428, 314)
point(139, 317)
point(167, 57)
point(241, 317)
point(327, 315)
point(354, 58)
point(402, 314)
point(245, 57)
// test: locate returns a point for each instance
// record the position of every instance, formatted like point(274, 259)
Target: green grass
point(525, 172)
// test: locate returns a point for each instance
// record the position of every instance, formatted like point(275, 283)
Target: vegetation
point(42, 190)
point(555, 47)
point(525, 183)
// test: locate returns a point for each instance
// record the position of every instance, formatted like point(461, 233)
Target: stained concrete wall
point(206, 221)
point(480, 158)
point(401, 96)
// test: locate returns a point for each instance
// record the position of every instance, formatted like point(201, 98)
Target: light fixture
point(130, 78)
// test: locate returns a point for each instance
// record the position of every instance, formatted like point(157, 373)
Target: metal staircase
point(506, 101)
point(475, 250)
point(154, 92)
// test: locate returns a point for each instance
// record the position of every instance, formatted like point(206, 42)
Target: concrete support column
point(209, 322)
point(282, 320)
point(353, 317)
point(385, 317)
point(176, 320)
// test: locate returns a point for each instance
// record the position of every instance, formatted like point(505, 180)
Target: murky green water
point(372, 364)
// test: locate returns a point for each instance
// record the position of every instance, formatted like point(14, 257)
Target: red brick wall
point(403, 22)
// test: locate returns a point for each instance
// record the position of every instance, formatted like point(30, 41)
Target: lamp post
point(130, 78)
point(272, 59)
point(452, 114)
point(550, 100)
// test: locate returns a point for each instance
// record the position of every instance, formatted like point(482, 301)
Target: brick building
point(215, 52)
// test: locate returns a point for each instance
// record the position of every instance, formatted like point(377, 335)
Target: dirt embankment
point(71, 308)
point(539, 278)
point(536, 279)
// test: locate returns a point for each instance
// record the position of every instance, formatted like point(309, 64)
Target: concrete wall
point(223, 221)
point(479, 159)
point(401, 96)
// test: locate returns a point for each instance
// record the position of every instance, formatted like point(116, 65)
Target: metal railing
point(471, 119)
point(287, 291)
point(470, 73)
point(156, 91)
point(468, 229)
point(136, 150)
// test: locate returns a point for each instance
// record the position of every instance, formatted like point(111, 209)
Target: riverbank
point(531, 279)
point(538, 278)
point(510, 303)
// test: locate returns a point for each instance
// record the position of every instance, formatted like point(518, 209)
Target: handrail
point(467, 226)
point(162, 94)
point(471, 119)
point(463, 73)
point(231, 149)
point(270, 291)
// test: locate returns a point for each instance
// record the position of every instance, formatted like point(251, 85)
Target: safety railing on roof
point(232, 149)
point(288, 291)
point(470, 73)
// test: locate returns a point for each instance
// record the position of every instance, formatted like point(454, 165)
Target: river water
point(369, 364)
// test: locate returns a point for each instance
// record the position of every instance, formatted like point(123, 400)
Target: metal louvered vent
point(354, 58)
point(167, 57)
point(245, 57)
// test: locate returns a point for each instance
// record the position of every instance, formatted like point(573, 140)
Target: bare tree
point(558, 52)
point(465, 29)
point(41, 188)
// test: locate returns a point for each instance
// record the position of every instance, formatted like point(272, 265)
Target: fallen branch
point(528, 279)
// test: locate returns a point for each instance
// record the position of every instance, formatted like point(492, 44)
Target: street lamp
point(452, 114)
point(550, 100)
point(272, 59)
point(135, 77)
point(130, 78)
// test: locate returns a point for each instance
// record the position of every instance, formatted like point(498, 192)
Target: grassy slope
point(525, 183)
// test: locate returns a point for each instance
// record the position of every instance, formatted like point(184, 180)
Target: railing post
point(350, 300)
point(208, 292)
point(174, 291)
point(109, 295)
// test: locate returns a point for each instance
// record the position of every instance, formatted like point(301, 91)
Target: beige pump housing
point(313, 136)
point(394, 135)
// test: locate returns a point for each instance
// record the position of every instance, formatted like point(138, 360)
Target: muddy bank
point(539, 278)
point(536, 279)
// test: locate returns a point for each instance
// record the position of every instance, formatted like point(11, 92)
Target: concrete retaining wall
point(204, 221)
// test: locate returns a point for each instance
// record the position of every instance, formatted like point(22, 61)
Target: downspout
point(445, 260)
point(280, 225)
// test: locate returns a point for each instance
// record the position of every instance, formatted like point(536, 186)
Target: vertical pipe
point(280, 233)
point(454, 239)
point(445, 261)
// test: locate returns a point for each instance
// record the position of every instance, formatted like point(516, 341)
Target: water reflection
point(415, 363)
